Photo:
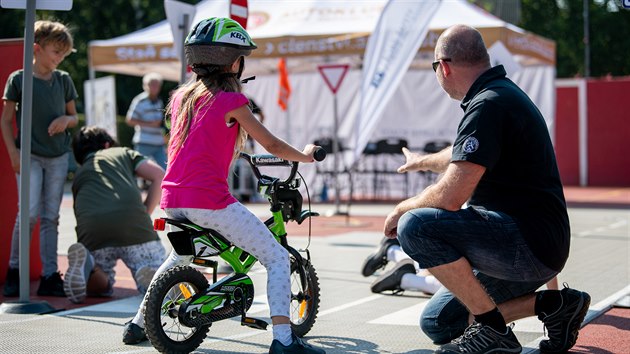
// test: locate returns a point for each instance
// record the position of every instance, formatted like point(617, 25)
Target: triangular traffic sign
point(333, 75)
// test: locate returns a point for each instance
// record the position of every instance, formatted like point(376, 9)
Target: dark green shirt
point(108, 205)
point(49, 102)
point(503, 131)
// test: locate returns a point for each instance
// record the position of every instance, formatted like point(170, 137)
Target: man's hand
point(390, 229)
point(413, 161)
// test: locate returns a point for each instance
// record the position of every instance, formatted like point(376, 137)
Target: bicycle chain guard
point(222, 300)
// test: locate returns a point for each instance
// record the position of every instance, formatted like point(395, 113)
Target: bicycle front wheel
point(163, 301)
point(304, 297)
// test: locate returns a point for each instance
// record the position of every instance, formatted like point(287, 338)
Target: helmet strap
point(204, 70)
point(241, 67)
point(245, 80)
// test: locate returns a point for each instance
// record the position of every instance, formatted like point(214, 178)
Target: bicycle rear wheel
point(164, 299)
point(304, 297)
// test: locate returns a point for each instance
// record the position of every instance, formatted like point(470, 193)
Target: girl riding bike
point(210, 121)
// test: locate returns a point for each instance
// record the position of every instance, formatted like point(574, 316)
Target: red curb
point(608, 333)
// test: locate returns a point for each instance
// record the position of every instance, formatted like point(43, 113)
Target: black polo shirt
point(503, 131)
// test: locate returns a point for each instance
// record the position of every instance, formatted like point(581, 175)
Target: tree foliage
point(563, 22)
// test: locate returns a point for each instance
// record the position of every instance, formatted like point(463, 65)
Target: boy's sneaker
point(12, 284)
point(298, 346)
point(390, 280)
point(478, 339)
point(143, 278)
point(80, 265)
point(564, 324)
point(133, 334)
point(51, 285)
point(378, 259)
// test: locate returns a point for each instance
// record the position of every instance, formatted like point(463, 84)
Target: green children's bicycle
point(181, 305)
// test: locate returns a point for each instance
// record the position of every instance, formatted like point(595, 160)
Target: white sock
point(282, 333)
point(428, 284)
point(395, 254)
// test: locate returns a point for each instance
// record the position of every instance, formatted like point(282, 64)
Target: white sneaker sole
point(75, 282)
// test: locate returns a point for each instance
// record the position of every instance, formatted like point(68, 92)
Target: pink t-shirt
point(196, 177)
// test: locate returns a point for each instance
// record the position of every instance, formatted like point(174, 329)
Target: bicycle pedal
point(254, 323)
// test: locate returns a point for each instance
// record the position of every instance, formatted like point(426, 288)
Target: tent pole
point(89, 111)
point(182, 57)
point(336, 151)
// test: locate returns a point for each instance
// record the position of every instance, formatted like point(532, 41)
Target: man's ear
point(446, 69)
point(236, 64)
point(108, 145)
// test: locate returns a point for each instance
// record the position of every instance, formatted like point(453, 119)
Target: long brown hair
point(201, 88)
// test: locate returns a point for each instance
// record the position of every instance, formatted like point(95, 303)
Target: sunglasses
point(436, 63)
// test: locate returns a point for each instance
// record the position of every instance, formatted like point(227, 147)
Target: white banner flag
point(391, 48)
point(100, 104)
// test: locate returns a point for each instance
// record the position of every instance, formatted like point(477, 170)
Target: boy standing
point(54, 113)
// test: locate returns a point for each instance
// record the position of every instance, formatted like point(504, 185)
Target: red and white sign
point(333, 75)
point(239, 12)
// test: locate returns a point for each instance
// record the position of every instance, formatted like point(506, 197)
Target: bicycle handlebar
point(270, 160)
point(319, 154)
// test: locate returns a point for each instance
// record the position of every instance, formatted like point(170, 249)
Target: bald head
point(464, 45)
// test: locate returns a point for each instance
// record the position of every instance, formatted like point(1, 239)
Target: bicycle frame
point(197, 240)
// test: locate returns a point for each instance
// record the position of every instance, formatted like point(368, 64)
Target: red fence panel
point(608, 132)
point(12, 52)
point(566, 139)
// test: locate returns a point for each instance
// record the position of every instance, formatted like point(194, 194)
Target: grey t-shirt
point(49, 102)
point(143, 108)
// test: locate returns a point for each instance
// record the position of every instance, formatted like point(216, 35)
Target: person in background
point(53, 113)
point(113, 219)
point(513, 237)
point(405, 275)
point(257, 110)
point(146, 115)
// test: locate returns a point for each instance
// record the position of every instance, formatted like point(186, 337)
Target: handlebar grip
point(319, 154)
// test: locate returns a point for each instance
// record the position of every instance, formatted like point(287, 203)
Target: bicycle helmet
point(217, 41)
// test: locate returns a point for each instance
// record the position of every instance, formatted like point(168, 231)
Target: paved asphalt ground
point(351, 318)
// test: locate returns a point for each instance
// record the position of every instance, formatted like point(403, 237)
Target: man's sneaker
point(298, 346)
point(390, 280)
point(12, 284)
point(378, 259)
point(133, 334)
point(143, 278)
point(80, 265)
point(478, 339)
point(564, 324)
point(51, 285)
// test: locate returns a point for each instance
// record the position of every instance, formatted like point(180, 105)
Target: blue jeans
point(493, 245)
point(48, 175)
point(155, 152)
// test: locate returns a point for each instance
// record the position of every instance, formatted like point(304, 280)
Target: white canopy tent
point(311, 33)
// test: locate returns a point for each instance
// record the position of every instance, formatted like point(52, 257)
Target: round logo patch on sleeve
point(471, 144)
